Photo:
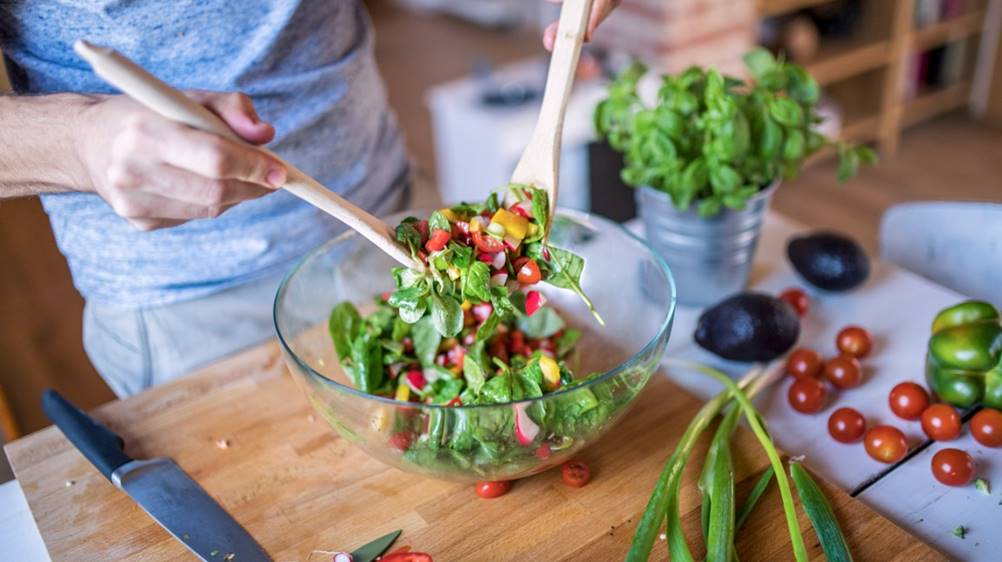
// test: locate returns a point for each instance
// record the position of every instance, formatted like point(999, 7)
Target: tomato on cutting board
point(855, 341)
point(804, 362)
point(986, 427)
point(807, 395)
point(844, 371)
point(846, 425)
point(886, 443)
point(908, 400)
point(941, 422)
point(953, 467)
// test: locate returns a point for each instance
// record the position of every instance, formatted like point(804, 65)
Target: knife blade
point(159, 486)
point(372, 550)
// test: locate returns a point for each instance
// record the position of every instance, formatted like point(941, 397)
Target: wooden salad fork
point(539, 165)
point(160, 97)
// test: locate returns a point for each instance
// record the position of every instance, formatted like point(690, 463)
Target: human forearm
point(38, 143)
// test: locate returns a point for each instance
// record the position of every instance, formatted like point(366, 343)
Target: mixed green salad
point(472, 328)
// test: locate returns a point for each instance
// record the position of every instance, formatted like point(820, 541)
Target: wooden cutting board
point(296, 486)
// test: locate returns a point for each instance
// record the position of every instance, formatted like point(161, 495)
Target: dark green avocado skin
point(829, 261)
point(748, 327)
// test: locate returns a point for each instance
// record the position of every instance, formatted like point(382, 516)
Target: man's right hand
point(157, 173)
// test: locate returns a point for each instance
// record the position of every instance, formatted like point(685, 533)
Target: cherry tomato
point(846, 425)
point(527, 271)
point(953, 467)
point(796, 298)
point(407, 557)
point(807, 395)
point(844, 371)
point(402, 440)
point(487, 243)
point(908, 400)
point(804, 362)
point(941, 422)
point(885, 443)
point(986, 427)
point(855, 341)
point(575, 473)
point(488, 490)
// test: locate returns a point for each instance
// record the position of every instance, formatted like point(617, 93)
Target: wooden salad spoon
point(539, 165)
point(160, 97)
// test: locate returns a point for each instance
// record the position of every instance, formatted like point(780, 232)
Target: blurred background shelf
point(891, 64)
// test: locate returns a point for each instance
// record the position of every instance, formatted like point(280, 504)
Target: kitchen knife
point(159, 486)
point(374, 549)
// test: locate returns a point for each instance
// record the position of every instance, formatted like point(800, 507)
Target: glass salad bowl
point(632, 289)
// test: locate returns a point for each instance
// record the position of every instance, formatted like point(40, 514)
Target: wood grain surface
point(297, 486)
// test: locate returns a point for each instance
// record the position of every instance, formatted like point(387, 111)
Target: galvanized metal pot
point(710, 258)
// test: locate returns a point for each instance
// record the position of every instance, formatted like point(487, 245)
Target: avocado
point(748, 327)
point(829, 261)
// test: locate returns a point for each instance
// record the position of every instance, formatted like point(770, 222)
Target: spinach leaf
point(367, 363)
point(426, 341)
point(477, 283)
point(487, 329)
point(345, 324)
point(540, 208)
point(462, 256)
point(401, 329)
point(408, 297)
point(496, 391)
point(408, 235)
point(475, 367)
point(446, 315)
point(567, 268)
point(543, 324)
point(444, 390)
point(567, 341)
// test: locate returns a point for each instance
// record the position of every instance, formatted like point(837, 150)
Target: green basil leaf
point(770, 138)
point(709, 207)
point(724, 178)
point(787, 112)
point(759, 61)
point(401, 329)
point(793, 148)
point(345, 324)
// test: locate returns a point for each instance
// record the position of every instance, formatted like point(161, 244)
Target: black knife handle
point(102, 447)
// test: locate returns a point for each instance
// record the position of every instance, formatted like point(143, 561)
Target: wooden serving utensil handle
point(540, 163)
point(160, 97)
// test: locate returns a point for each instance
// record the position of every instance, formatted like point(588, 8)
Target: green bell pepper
point(964, 362)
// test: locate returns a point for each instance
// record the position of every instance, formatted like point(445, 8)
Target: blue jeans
point(134, 349)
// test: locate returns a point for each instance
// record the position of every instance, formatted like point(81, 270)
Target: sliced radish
point(497, 262)
point(526, 430)
point(499, 279)
point(482, 311)
point(534, 300)
point(511, 242)
point(416, 380)
point(343, 557)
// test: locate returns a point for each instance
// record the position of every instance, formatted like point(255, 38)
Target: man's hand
point(158, 173)
point(600, 9)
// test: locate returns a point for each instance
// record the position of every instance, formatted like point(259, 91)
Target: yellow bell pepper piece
point(513, 224)
point(466, 305)
point(403, 392)
point(449, 215)
point(551, 372)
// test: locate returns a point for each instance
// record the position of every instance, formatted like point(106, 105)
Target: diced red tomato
point(456, 401)
point(522, 209)
point(401, 440)
point(497, 348)
point(408, 344)
point(385, 295)
point(487, 243)
point(528, 271)
point(422, 227)
point(533, 301)
point(439, 238)
point(482, 311)
point(543, 451)
point(517, 344)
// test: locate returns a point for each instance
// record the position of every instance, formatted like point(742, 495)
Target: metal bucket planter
point(709, 258)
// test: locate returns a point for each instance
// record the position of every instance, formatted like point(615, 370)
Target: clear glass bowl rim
point(579, 216)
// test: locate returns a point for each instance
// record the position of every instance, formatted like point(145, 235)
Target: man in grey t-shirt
point(175, 237)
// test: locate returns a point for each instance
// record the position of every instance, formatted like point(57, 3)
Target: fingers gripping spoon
point(540, 163)
point(158, 96)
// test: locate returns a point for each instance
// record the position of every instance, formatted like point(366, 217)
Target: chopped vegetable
point(575, 473)
point(982, 486)
point(960, 531)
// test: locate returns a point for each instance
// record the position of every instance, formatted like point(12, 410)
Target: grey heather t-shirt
point(307, 64)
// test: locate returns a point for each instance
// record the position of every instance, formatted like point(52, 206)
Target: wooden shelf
point(769, 8)
point(934, 35)
point(930, 104)
point(848, 60)
point(861, 129)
